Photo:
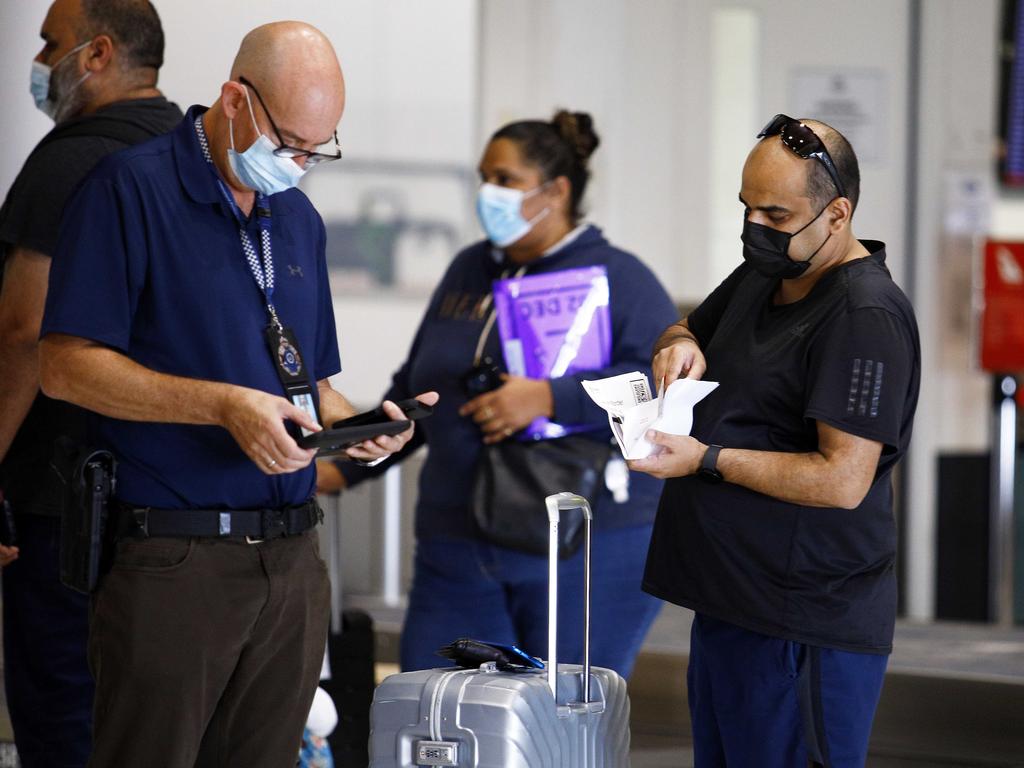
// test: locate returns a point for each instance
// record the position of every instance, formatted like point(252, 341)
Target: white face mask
point(40, 85)
point(258, 167)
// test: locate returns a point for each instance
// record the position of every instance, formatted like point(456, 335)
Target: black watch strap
point(709, 465)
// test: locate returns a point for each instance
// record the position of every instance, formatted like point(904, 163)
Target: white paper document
point(632, 410)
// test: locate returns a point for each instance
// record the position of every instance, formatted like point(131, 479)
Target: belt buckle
point(274, 526)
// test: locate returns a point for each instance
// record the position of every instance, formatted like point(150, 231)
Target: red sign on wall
point(1002, 318)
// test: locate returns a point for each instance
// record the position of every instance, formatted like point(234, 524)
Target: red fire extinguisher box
point(1002, 316)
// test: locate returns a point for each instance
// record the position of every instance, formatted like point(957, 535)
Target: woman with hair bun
point(533, 177)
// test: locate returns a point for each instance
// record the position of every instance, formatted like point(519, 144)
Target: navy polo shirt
point(149, 262)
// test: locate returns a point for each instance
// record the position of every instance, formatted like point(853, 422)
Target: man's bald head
point(296, 70)
point(820, 188)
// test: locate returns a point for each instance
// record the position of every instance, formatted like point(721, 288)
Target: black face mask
point(767, 249)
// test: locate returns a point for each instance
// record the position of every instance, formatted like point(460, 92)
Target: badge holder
point(291, 370)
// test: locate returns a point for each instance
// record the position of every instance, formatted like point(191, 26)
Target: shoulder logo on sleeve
point(865, 388)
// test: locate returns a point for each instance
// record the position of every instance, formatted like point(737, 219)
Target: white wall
point(21, 124)
point(643, 70)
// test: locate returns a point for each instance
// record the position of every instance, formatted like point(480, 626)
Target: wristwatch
point(708, 471)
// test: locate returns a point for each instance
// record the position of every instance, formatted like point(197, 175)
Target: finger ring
point(508, 431)
point(488, 413)
point(271, 464)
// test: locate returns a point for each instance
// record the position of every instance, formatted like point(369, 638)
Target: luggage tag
point(291, 370)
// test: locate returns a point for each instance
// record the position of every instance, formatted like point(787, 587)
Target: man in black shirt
point(96, 77)
point(776, 526)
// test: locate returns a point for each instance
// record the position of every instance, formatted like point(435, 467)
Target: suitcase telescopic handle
point(556, 504)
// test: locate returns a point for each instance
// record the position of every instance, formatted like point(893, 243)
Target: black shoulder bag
point(513, 478)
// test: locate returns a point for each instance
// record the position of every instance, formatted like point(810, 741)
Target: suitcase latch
point(437, 753)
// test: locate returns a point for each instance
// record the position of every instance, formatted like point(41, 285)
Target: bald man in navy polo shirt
point(189, 307)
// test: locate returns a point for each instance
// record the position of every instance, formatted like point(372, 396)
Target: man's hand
point(328, 477)
point(7, 555)
point(256, 420)
point(675, 456)
point(383, 446)
point(681, 359)
point(511, 407)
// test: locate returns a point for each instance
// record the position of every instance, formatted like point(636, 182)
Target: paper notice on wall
point(632, 410)
point(851, 101)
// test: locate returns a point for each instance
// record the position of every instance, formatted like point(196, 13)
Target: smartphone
point(412, 408)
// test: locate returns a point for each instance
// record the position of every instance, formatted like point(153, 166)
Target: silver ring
point(271, 464)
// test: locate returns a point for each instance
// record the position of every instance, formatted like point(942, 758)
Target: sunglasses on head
point(804, 143)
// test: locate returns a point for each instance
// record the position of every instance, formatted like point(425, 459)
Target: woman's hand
point(511, 407)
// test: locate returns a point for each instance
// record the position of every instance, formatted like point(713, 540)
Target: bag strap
point(491, 317)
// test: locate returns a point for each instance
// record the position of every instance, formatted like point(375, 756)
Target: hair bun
point(577, 130)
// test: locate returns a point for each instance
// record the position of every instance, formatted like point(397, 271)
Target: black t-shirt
point(847, 355)
point(30, 218)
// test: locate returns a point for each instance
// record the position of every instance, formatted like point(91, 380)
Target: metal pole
point(392, 559)
point(1001, 539)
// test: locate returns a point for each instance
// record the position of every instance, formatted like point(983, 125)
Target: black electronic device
point(335, 440)
point(412, 408)
point(483, 377)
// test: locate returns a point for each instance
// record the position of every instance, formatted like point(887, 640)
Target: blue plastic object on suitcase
point(564, 716)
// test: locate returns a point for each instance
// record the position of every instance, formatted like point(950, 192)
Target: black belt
point(252, 524)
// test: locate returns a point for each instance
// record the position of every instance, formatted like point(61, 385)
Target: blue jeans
point(469, 588)
point(763, 702)
point(46, 673)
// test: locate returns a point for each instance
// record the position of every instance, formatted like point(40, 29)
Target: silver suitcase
point(564, 716)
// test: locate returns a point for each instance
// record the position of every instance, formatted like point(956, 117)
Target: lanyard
point(491, 316)
point(263, 273)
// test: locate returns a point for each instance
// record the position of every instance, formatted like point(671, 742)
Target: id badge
point(291, 370)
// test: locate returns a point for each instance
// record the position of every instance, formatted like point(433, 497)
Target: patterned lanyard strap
point(263, 274)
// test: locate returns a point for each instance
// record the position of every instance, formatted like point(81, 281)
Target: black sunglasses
point(284, 150)
point(804, 143)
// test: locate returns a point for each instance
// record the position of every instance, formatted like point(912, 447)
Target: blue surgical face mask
point(258, 167)
point(40, 84)
point(500, 211)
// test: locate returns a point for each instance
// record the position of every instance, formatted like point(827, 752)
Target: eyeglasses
point(284, 150)
point(804, 143)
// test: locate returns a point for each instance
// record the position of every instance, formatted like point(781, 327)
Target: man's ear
point(840, 211)
point(99, 54)
point(232, 99)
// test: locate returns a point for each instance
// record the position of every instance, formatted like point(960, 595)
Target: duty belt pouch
point(514, 477)
point(88, 478)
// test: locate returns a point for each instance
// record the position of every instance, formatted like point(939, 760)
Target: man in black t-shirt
point(96, 77)
point(776, 524)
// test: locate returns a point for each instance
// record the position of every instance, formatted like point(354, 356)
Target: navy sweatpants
point(762, 702)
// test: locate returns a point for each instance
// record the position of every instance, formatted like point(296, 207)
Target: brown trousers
point(207, 652)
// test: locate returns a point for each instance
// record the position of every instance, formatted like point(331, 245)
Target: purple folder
point(553, 325)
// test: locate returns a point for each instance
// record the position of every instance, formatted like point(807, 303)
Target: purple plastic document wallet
point(554, 325)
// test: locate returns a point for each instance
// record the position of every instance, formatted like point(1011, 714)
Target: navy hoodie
point(443, 350)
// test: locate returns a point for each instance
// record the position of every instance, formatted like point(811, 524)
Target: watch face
point(709, 475)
